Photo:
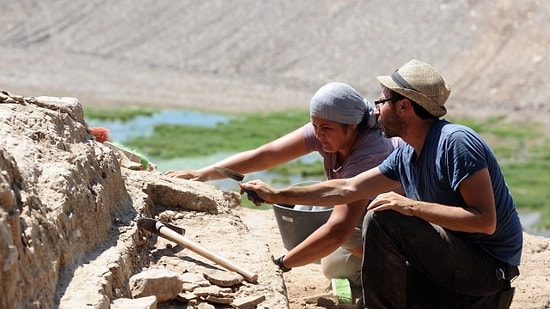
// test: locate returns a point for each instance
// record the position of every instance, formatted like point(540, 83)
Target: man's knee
point(387, 221)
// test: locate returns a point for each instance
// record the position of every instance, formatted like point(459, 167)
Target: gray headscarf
point(340, 103)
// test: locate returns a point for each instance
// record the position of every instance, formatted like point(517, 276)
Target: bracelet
point(279, 262)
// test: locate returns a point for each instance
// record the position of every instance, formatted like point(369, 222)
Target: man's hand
point(264, 191)
point(393, 201)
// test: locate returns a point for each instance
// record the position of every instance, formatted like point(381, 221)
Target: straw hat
point(421, 83)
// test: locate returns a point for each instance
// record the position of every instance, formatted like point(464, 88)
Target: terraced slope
point(248, 54)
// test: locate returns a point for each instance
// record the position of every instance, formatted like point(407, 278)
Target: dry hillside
point(246, 54)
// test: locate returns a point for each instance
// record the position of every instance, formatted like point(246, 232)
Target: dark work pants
point(408, 262)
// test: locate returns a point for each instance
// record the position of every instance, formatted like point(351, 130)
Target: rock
point(162, 283)
point(248, 302)
point(223, 278)
point(213, 290)
point(61, 193)
point(186, 296)
point(225, 300)
point(192, 281)
point(148, 302)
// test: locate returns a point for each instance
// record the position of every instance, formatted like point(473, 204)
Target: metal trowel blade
point(229, 173)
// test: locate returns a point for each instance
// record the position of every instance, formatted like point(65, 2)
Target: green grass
point(121, 114)
point(523, 149)
point(241, 133)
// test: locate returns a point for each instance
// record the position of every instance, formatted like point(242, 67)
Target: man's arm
point(327, 193)
point(478, 217)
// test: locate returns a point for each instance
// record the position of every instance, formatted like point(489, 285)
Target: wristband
point(279, 262)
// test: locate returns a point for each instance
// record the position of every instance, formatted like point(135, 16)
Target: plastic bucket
point(296, 223)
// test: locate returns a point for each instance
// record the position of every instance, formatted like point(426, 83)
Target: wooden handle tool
point(161, 229)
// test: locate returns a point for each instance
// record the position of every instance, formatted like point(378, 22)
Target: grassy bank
point(522, 149)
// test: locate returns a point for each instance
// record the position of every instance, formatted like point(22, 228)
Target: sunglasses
point(377, 103)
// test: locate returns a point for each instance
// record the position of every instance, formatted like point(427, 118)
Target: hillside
point(250, 55)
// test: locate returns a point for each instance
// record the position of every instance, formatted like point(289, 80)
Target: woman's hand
point(190, 175)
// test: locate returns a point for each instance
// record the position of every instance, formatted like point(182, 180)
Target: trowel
point(239, 178)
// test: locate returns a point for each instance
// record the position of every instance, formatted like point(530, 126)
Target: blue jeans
point(408, 262)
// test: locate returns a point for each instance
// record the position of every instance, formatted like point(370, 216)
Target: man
point(454, 239)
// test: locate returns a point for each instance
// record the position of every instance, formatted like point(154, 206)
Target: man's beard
point(392, 125)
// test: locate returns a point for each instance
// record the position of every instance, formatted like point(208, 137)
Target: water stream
point(144, 125)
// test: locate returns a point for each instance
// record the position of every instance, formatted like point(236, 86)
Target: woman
point(344, 130)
